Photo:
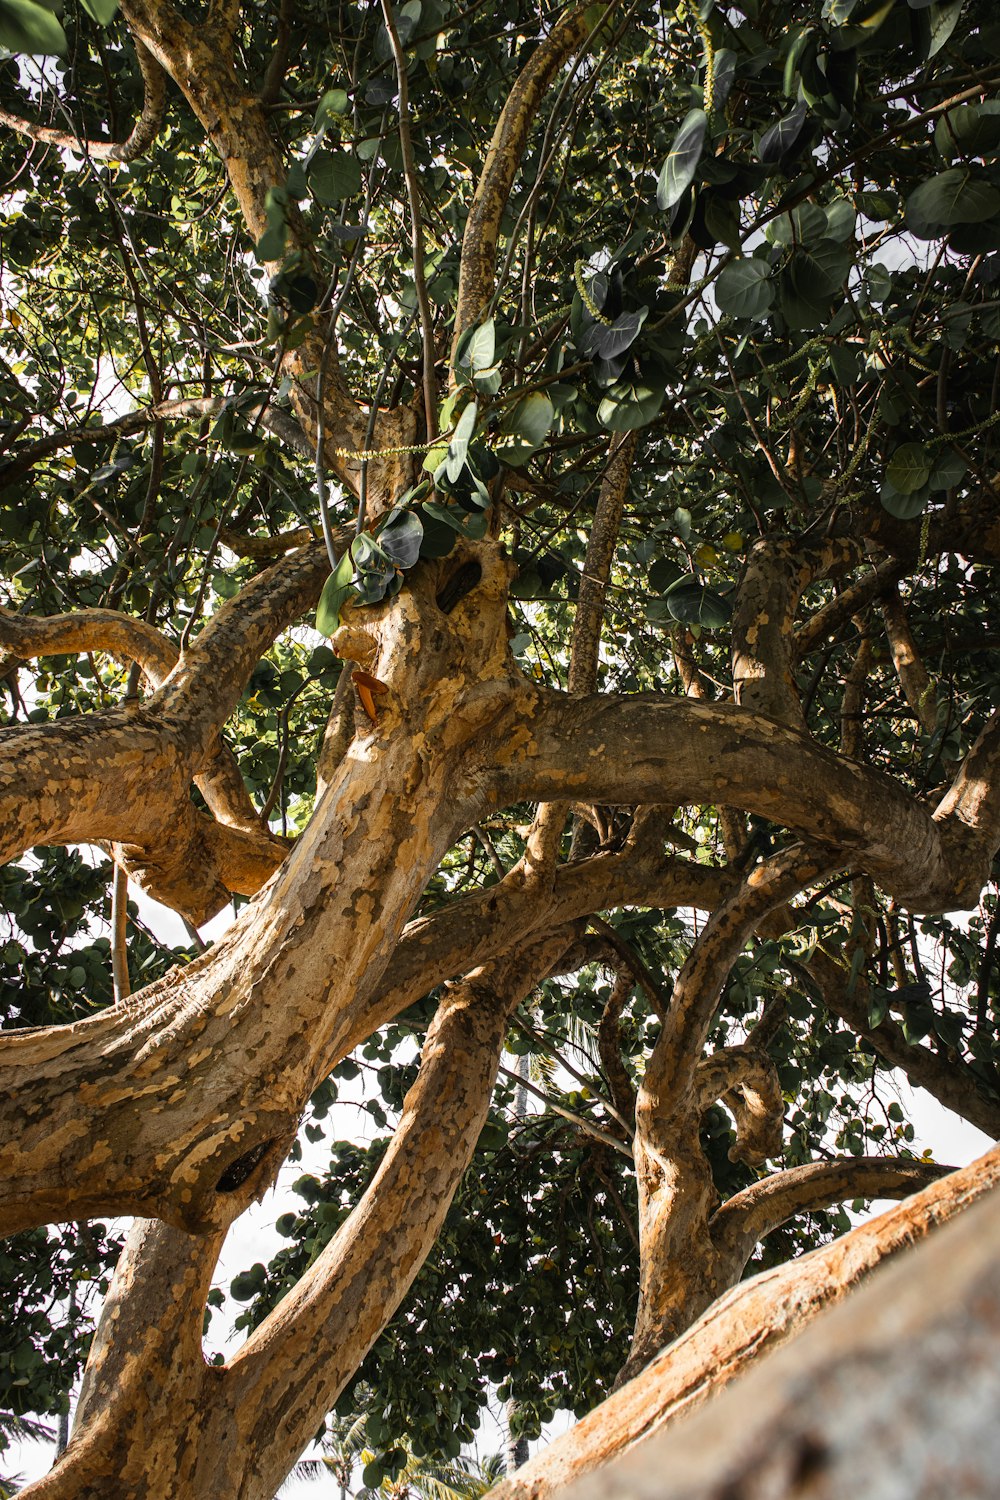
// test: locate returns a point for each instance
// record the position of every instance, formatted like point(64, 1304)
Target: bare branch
point(479, 243)
point(121, 636)
point(912, 674)
point(680, 752)
point(143, 133)
point(677, 1054)
point(748, 1217)
point(601, 545)
point(777, 571)
point(747, 1082)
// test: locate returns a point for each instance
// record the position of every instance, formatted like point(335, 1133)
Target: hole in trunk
point(239, 1170)
point(461, 582)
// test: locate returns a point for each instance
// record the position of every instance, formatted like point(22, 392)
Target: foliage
point(763, 239)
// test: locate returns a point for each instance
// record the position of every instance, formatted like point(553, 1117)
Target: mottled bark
point(730, 1339)
point(96, 1119)
point(766, 601)
point(894, 1394)
point(680, 752)
point(506, 149)
point(246, 1422)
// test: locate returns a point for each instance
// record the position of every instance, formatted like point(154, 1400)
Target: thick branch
point(755, 1316)
point(679, 752)
point(677, 1055)
point(766, 601)
point(912, 673)
point(895, 1392)
point(292, 1368)
point(746, 1079)
point(121, 636)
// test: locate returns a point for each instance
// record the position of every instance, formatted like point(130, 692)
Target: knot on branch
point(758, 1107)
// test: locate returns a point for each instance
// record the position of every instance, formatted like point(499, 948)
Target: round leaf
point(744, 290)
point(953, 197)
point(693, 604)
point(909, 468)
point(334, 175)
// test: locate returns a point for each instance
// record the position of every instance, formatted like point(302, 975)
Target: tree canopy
point(507, 497)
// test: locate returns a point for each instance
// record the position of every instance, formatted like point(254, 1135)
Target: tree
point(619, 384)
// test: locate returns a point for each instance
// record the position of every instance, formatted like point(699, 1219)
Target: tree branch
point(680, 752)
point(601, 543)
point(482, 228)
point(291, 1369)
point(747, 1082)
point(756, 1316)
point(776, 573)
point(144, 132)
point(676, 1056)
point(748, 1217)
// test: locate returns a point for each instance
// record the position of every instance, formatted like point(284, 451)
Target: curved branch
point(747, 1082)
point(913, 678)
point(479, 243)
point(829, 617)
point(748, 1217)
point(758, 1315)
point(676, 1058)
point(683, 751)
point(291, 1369)
point(121, 636)
point(144, 132)
point(766, 601)
point(212, 673)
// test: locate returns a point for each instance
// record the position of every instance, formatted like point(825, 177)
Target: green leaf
point(682, 161)
point(336, 590)
point(458, 447)
point(103, 11)
point(943, 20)
point(628, 407)
point(723, 76)
point(956, 196)
point(909, 468)
point(528, 425)
point(334, 175)
point(333, 102)
point(744, 290)
point(878, 1005)
point(949, 469)
point(480, 351)
point(609, 340)
point(439, 536)
point(29, 28)
point(693, 603)
point(782, 138)
point(903, 507)
point(401, 536)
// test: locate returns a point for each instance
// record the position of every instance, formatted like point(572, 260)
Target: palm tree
point(18, 1429)
point(420, 1478)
